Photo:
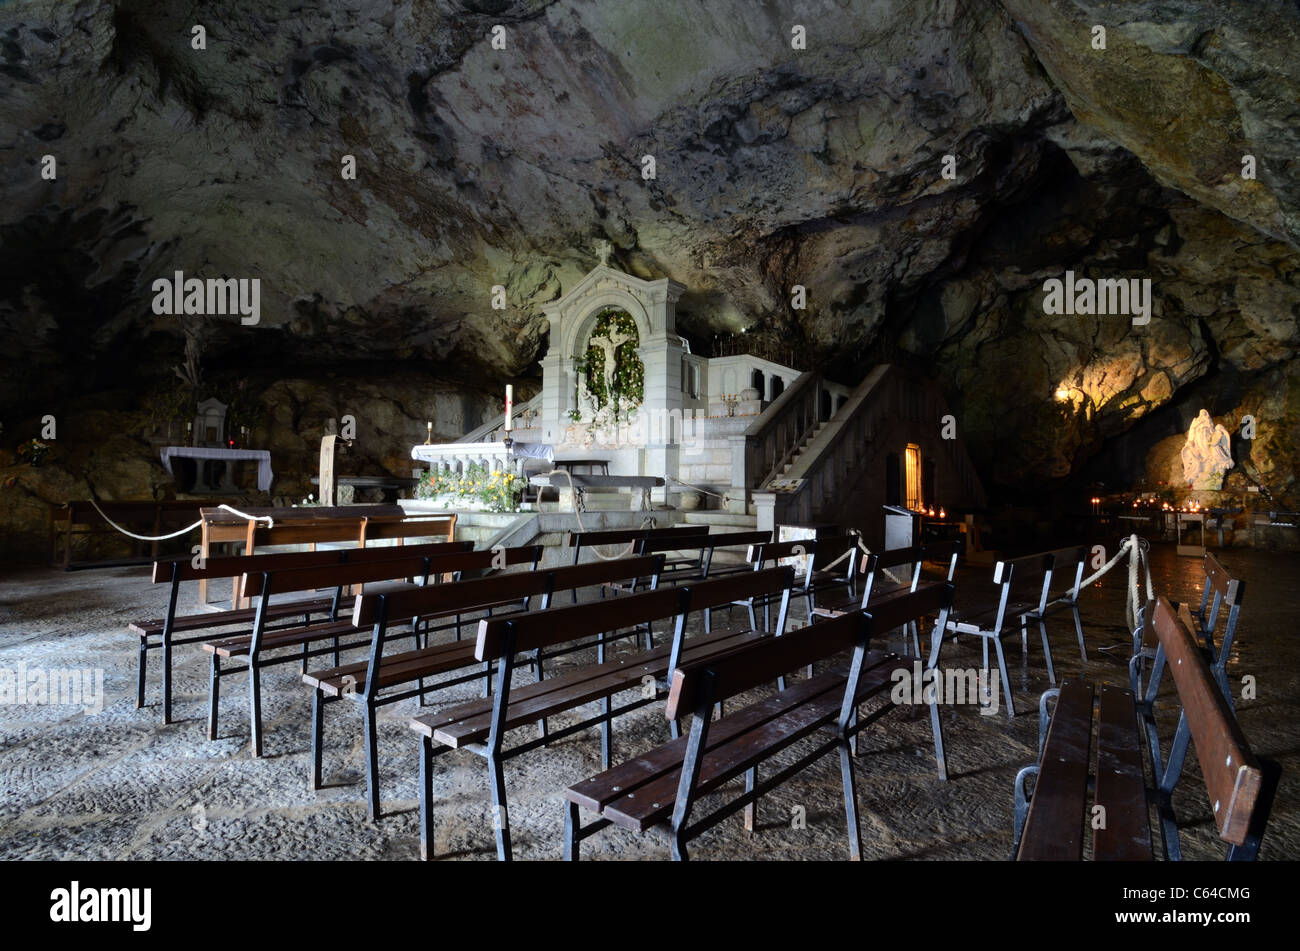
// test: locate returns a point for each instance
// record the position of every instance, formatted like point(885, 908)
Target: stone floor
point(118, 785)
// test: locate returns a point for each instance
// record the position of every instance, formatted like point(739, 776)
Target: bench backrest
point(683, 541)
point(1221, 592)
point(1233, 777)
point(383, 527)
point(696, 686)
point(836, 553)
point(183, 569)
point(1027, 578)
point(538, 630)
point(349, 573)
point(623, 536)
point(1067, 569)
point(394, 603)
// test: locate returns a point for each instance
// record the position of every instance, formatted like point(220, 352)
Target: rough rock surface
point(774, 167)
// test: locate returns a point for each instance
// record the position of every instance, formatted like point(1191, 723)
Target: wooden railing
point(775, 436)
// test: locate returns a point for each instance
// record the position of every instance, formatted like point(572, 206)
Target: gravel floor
point(116, 784)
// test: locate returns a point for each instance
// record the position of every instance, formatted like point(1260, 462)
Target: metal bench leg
point(571, 823)
point(1022, 806)
point(426, 798)
point(541, 673)
point(167, 681)
point(500, 816)
point(606, 734)
point(936, 727)
point(850, 801)
point(317, 730)
point(372, 762)
point(214, 696)
point(140, 673)
point(255, 706)
point(751, 777)
point(708, 620)
point(1047, 652)
point(1078, 627)
point(336, 651)
point(1006, 681)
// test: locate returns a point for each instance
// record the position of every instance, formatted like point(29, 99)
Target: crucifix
point(610, 345)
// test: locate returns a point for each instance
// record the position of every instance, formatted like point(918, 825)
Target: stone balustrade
point(459, 456)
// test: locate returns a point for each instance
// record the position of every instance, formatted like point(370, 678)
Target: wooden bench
point(1050, 823)
point(308, 638)
point(1063, 592)
point(312, 525)
point(627, 539)
point(812, 555)
point(700, 566)
point(1221, 599)
point(384, 679)
point(666, 784)
point(481, 726)
point(877, 581)
point(1021, 589)
point(161, 633)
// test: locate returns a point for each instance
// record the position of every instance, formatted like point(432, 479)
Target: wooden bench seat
point(665, 784)
point(1051, 822)
point(386, 678)
point(469, 723)
point(481, 727)
point(258, 648)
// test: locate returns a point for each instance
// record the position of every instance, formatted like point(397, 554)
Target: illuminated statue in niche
point(1207, 454)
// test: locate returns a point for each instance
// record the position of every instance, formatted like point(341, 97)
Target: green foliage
point(498, 491)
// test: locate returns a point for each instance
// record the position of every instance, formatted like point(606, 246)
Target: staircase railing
point(772, 440)
point(492, 430)
point(833, 466)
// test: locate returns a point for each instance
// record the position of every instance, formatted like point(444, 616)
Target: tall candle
point(510, 404)
point(428, 427)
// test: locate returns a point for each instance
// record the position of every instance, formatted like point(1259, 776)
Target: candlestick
point(428, 439)
point(510, 404)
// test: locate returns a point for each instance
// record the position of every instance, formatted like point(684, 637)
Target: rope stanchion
point(270, 522)
point(647, 522)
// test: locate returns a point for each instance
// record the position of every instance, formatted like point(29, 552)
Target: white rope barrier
point(647, 522)
point(270, 522)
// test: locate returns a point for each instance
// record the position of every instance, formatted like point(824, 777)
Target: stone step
point(722, 520)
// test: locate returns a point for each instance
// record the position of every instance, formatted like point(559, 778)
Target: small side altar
point(217, 477)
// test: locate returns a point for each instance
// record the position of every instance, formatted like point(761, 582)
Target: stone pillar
point(765, 505)
point(738, 495)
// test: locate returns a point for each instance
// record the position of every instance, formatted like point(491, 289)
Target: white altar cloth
point(261, 456)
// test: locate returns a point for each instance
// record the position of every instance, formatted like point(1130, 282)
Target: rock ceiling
point(773, 167)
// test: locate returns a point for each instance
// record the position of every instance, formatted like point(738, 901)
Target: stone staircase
point(801, 448)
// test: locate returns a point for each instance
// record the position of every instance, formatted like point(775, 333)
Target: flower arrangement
point(33, 451)
point(495, 491)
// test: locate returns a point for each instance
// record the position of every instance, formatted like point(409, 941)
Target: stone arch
point(574, 344)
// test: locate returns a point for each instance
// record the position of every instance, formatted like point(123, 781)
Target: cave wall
point(820, 167)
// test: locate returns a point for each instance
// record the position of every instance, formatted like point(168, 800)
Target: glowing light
point(1062, 394)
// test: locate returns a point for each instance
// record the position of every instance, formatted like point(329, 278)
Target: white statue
point(1207, 454)
point(609, 345)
